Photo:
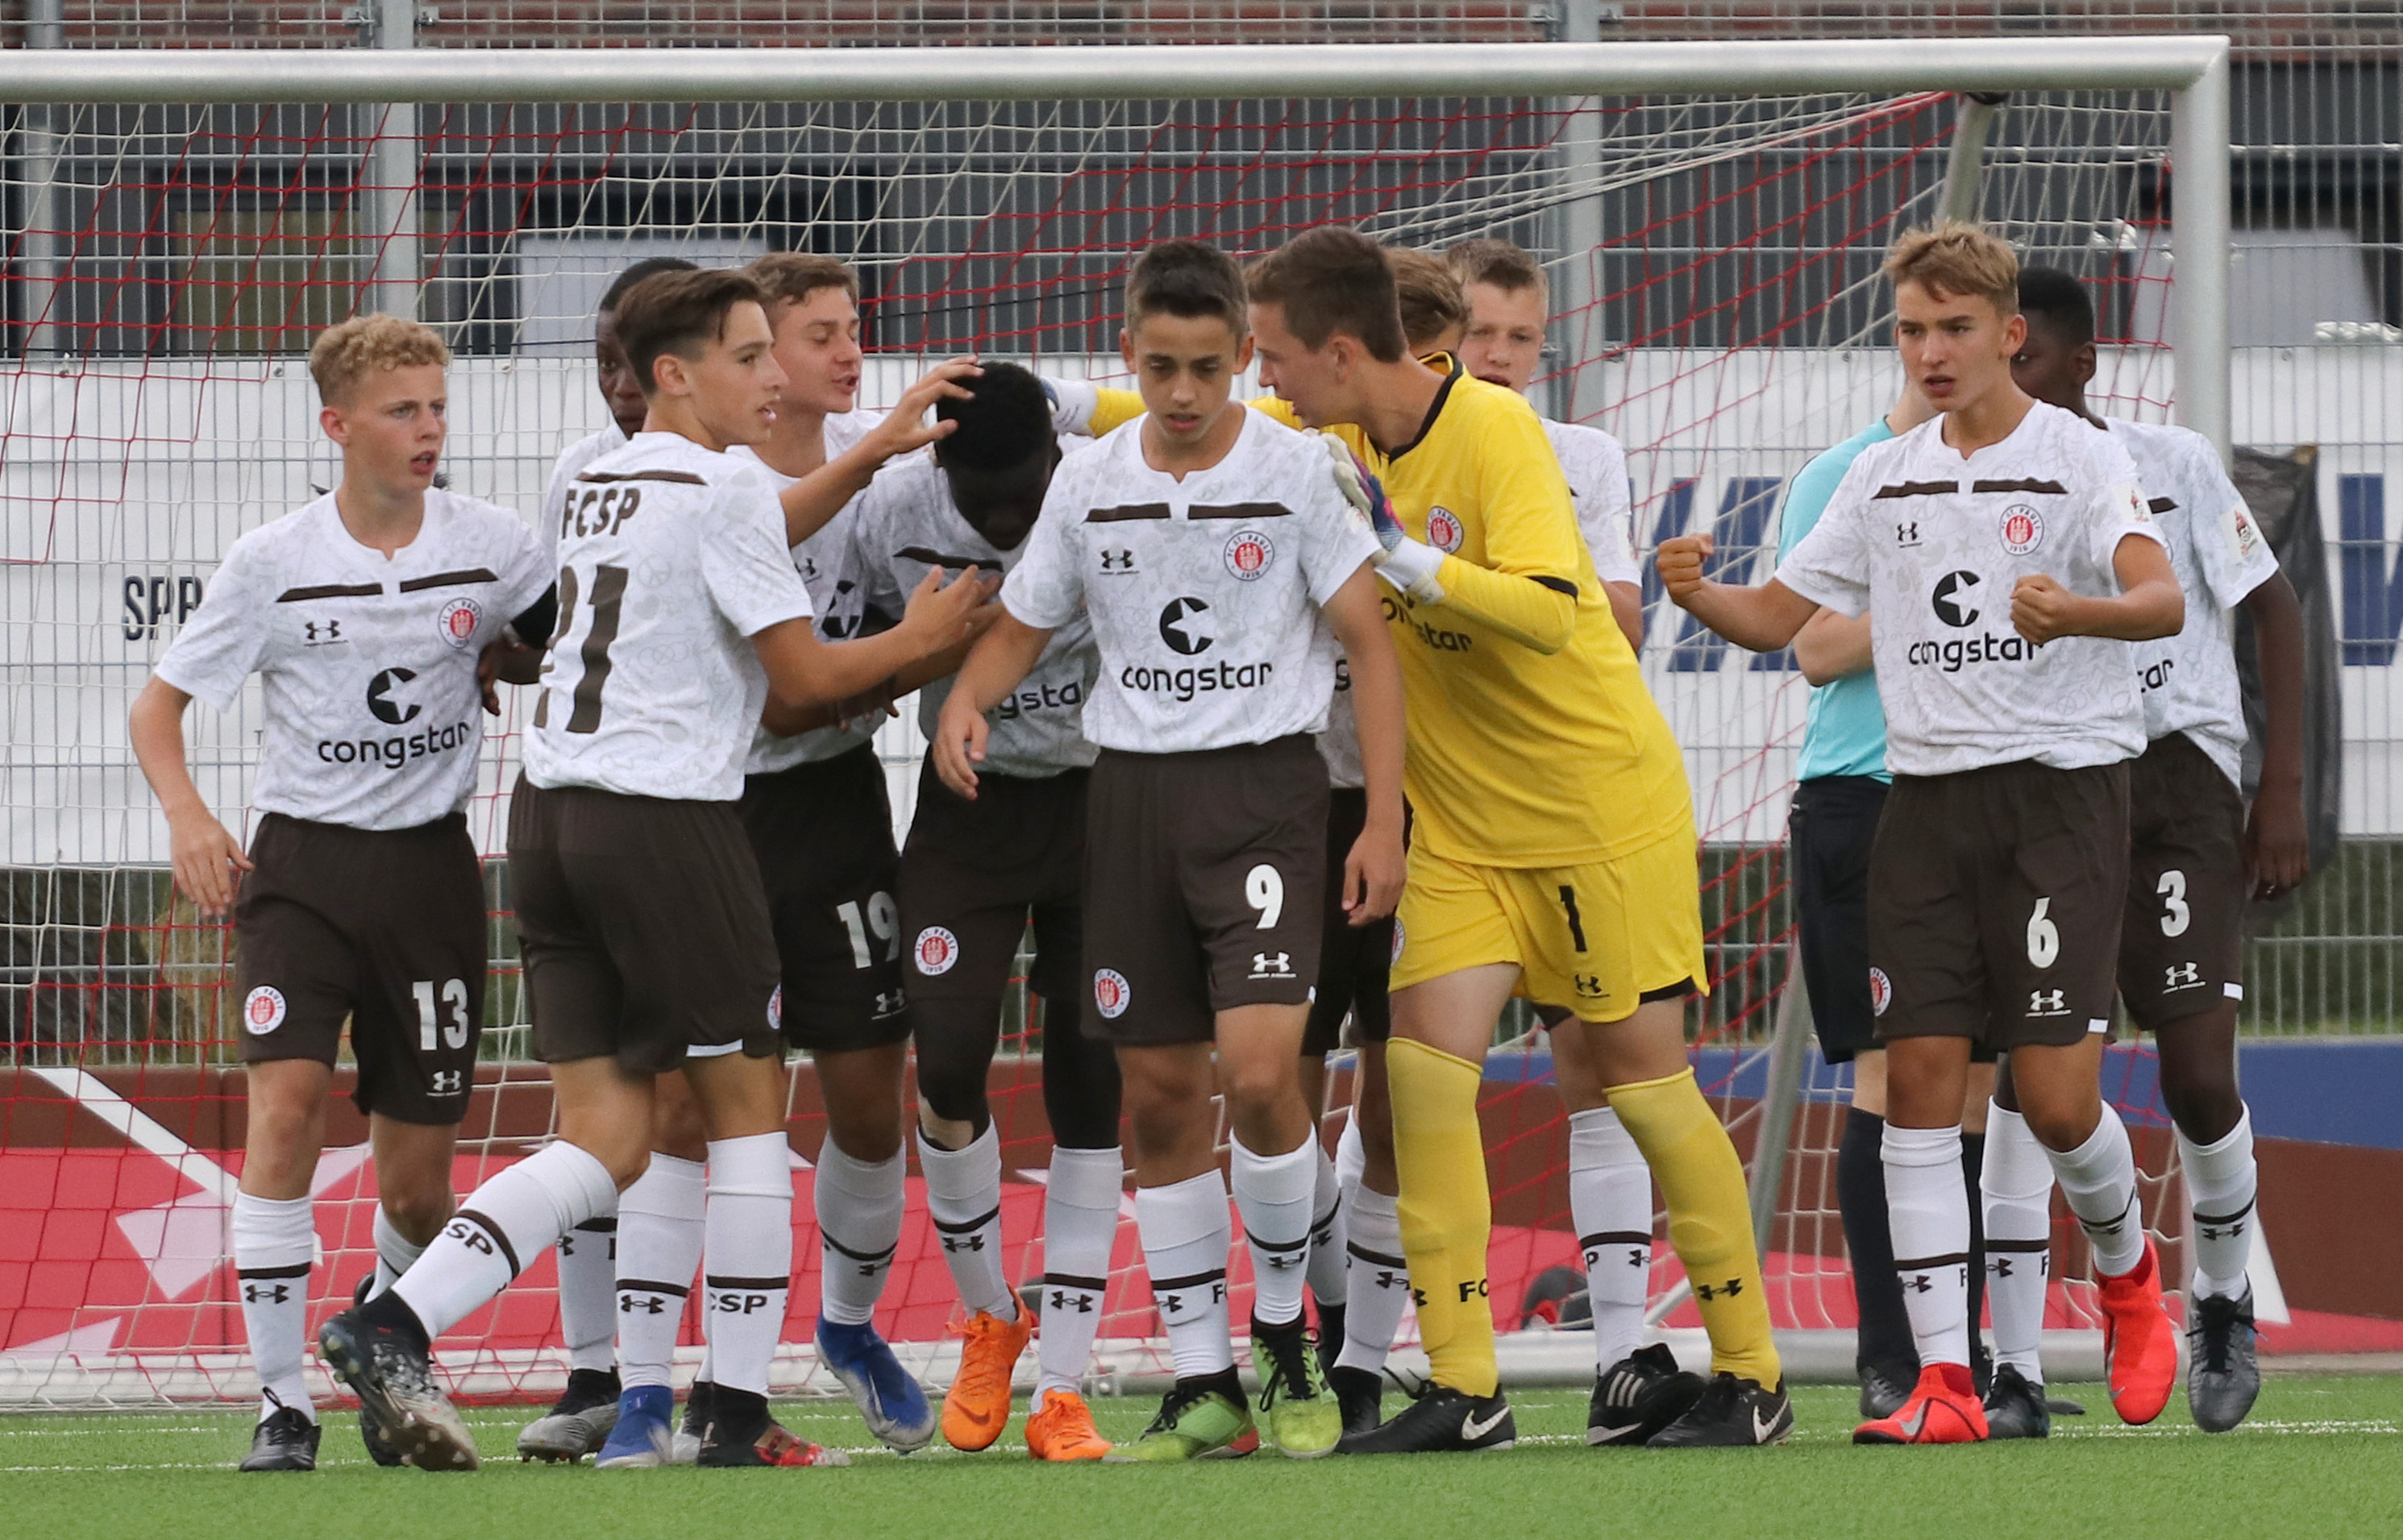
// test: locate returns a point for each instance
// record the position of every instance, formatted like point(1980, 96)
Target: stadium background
point(184, 256)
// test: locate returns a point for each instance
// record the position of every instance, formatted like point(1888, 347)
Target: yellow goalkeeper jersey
point(1517, 757)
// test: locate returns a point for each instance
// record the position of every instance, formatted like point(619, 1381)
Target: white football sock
point(1186, 1232)
point(396, 1253)
point(1080, 1228)
point(660, 1229)
point(1610, 1203)
point(2099, 1180)
point(963, 1199)
point(749, 1249)
point(1928, 1211)
point(1327, 1232)
point(2220, 1182)
point(1378, 1282)
point(2015, 1182)
point(859, 1226)
point(588, 1294)
point(507, 1222)
point(274, 1243)
point(1273, 1193)
point(1351, 1154)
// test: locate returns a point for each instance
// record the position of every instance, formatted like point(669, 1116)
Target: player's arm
point(811, 501)
point(804, 670)
point(206, 857)
point(2277, 844)
point(1372, 873)
point(1084, 409)
point(1002, 657)
point(2149, 602)
point(1536, 610)
point(1832, 646)
point(1762, 619)
point(1627, 608)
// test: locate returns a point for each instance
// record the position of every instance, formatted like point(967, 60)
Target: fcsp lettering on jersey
point(599, 510)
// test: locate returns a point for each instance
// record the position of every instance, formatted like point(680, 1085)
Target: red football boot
point(1943, 1409)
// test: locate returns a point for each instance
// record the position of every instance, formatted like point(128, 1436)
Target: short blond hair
point(345, 353)
point(1428, 295)
point(1957, 257)
point(1504, 264)
point(792, 276)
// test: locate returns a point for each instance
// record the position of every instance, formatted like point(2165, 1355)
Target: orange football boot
point(2139, 1343)
point(977, 1408)
point(1943, 1409)
point(1062, 1428)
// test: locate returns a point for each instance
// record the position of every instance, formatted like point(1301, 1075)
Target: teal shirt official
point(1845, 732)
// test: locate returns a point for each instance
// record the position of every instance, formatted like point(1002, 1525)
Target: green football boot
point(1305, 1420)
point(1199, 1419)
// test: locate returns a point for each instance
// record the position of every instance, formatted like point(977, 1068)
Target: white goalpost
point(1710, 215)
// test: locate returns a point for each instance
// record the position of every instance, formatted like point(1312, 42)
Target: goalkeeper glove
point(1073, 402)
point(1409, 566)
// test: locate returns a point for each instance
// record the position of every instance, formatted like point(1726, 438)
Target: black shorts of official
point(644, 927)
point(1203, 874)
point(973, 875)
point(2182, 942)
point(823, 833)
point(1994, 903)
point(1353, 959)
point(385, 928)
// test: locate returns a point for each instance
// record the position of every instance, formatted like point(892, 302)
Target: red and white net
point(1716, 259)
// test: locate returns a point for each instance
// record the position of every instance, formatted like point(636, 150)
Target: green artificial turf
point(2322, 1458)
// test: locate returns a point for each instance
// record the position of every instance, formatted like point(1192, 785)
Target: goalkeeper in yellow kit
point(1552, 851)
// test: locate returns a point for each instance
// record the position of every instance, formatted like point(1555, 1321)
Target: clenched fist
point(1680, 561)
point(2044, 611)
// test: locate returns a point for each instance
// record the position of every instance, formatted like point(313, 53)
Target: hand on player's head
point(1680, 561)
point(907, 428)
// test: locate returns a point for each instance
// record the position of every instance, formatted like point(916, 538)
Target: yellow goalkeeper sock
point(1709, 1220)
point(1446, 1214)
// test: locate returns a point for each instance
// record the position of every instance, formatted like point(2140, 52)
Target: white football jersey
point(564, 471)
point(904, 526)
point(1203, 593)
point(1596, 469)
point(1935, 544)
point(670, 556)
point(1340, 744)
point(819, 560)
point(2189, 680)
point(368, 664)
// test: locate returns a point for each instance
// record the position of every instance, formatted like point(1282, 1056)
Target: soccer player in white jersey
point(578, 1423)
point(1214, 554)
point(2195, 858)
point(2006, 551)
point(974, 875)
point(1508, 300)
point(364, 613)
point(644, 929)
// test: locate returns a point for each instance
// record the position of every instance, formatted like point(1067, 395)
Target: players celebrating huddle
point(1180, 661)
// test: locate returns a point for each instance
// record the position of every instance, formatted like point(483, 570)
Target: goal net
point(1714, 263)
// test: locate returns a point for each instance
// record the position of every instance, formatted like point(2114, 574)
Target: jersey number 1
point(608, 599)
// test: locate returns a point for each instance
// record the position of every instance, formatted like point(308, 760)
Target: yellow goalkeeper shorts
point(1597, 939)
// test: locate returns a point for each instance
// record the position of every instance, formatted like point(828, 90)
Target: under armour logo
point(2002, 1266)
point(322, 631)
point(1728, 1290)
point(1284, 1260)
point(1170, 1303)
point(1418, 1298)
point(1388, 1279)
point(1917, 1282)
point(2223, 1232)
point(963, 1243)
point(650, 1304)
point(2184, 976)
point(1907, 534)
point(1118, 559)
point(1589, 985)
point(2047, 1002)
point(447, 1082)
point(1081, 1303)
point(272, 1294)
point(1267, 964)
